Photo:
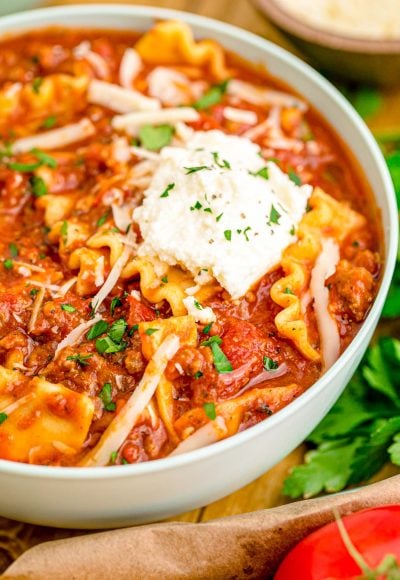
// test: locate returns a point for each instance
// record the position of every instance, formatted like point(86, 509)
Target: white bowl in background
point(123, 495)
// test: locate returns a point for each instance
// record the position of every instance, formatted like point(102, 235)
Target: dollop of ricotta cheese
point(216, 206)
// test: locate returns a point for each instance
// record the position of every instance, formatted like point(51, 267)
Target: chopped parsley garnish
point(68, 308)
point(116, 301)
point(8, 264)
point(206, 329)
point(198, 375)
point(274, 216)
point(154, 138)
point(263, 172)
point(97, 329)
point(195, 169)
point(150, 331)
point(80, 359)
point(208, 209)
point(107, 346)
point(33, 292)
point(164, 279)
point(212, 97)
point(36, 84)
point(44, 158)
point(294, 177)
point(355, 244)
point(219, 217)
point(106, 397)
point(292, 231)
point(133, 329)
point(209, 409)
point(198, 305)
point(39, 187)
point(167, 190)
point(288, 291)
point(221, 362)
point(13, 248)
point(49, 122)
point(3, 417)
point(269, 364)
point(64, 231)
point(245, 233)
point(102, 220)
point(220, 162)
point(228, 235)
point(117, 330)
point(197, 205)
point(113, 457)
point(24, 167)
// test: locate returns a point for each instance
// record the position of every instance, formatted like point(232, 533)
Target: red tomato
point(374, 532)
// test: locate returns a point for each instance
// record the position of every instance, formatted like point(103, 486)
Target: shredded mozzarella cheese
point(209, 433)
point(202, 314)
point(262, 96)
point(119, 99)
point(130, 66)
point(56, 137)
point(131, 122)
point(240, 116)
point(119, 428)
point(76, 334)
point(325, 266)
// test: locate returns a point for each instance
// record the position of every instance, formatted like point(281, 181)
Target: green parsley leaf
point(221, 362)
point(198, 305)
point(294, 177)
point(117, 330)
point(3, 417)
point(33, 292)
point(274, 216)
point(219, 217)
point(263, 172)
point(8, 264)
point(36, 84)
point(212, 97)
point(102, 219)
point(24, 167)
point(44, 158)
point(269, 364)
point(245, 233)
point(228, 235)
point(106, 397)
point(288, 291)
point(197, 205)
point(211, 340)
point(223, 163)
point(154, 138)
point(116, 301)
point(150, 331)
point(80, 359)
point(39, 187)
point(164, 279)
point(97, 329)
point(133, 329)
point(64, 231)
point(49, 122)
point(167, 190)
point(107, 346)
point(190, 170)
point(206, 329)
point(113, 457)
point(292, 231)
point(362, 430)
point(198, 375)
point(327, 469)
point(13, 249)
point(68, 308)
point(367, 101)
point(209, 409)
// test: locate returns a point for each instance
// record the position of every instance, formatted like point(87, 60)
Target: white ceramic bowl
point(122, 495)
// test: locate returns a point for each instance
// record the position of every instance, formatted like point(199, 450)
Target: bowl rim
point(345, 43)
point(34, 18)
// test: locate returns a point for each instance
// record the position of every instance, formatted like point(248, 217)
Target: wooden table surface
point(265, 492)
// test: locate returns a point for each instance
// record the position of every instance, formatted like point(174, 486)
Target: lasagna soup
point(186, 246)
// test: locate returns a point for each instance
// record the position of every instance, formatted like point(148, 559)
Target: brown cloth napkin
point(239, 547)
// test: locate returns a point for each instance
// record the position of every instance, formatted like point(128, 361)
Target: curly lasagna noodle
point(186, 246)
